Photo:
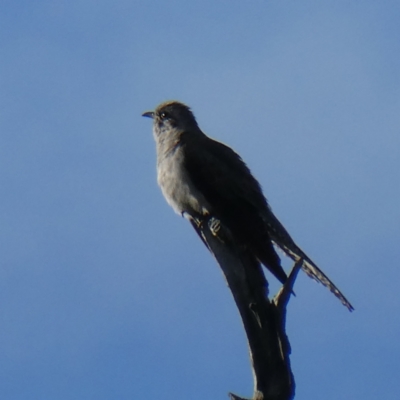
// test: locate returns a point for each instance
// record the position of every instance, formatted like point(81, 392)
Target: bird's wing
point(234, 195)
point(237, 199)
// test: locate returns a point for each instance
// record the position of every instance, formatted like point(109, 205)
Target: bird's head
point(172, 117)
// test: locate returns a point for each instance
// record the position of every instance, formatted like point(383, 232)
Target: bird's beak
point(148, 114)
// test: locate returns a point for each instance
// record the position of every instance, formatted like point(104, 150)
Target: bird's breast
point(177, 187)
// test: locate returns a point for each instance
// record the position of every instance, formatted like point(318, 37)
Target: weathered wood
point(263, 320)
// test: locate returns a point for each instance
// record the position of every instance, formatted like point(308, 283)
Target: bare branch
point(263, 320)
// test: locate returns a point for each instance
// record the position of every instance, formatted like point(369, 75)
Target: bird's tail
point(282, 239)
point(311, 269)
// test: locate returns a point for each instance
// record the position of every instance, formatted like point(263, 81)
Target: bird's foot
point(214, 225)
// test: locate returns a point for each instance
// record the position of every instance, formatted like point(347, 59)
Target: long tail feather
point(311, 269)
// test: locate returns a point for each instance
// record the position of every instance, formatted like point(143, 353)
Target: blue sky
point(105, 293)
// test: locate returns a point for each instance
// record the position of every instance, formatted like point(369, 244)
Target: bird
point(201, 177)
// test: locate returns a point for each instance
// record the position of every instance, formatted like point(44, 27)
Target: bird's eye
point(164, 115)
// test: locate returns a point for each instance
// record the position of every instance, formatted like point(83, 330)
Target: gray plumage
point(200, 177)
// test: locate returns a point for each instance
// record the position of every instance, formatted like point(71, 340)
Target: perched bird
point(201, 177)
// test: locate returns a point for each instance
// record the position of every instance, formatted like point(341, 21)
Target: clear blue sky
point(105, 293)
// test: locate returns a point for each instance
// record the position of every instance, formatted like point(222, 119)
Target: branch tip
point(281, 299)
